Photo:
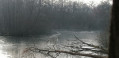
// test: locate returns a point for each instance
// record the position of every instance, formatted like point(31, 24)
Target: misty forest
point(29, 17)
point(54, 29)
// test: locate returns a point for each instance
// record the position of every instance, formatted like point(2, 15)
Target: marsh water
point(12, 47)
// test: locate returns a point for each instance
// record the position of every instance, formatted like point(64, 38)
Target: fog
point(34, 17)
point(45, 23)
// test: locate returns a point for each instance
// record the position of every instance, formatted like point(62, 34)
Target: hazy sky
point(96, 2)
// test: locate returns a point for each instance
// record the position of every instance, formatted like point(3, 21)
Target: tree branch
point(65, 52)
point(106, 51)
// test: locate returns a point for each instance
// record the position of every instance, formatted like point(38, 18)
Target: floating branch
point(61, 51)
point(91, 45)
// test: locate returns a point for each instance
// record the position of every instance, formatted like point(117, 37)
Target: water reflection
point(3, 46)
point(13, 47)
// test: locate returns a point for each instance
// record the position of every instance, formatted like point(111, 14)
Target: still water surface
point(12, 47)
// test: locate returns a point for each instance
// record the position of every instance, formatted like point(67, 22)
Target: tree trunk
point(114, 31)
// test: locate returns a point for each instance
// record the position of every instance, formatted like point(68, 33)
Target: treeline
point(31, 17)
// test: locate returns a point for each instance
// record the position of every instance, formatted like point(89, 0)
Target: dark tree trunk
point(114, 37)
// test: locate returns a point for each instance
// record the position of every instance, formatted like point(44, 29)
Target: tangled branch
point(70, 49)
point(61, 51)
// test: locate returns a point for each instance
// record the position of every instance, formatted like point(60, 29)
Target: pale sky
point(96, 2)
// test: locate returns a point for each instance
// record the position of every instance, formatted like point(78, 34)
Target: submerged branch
point(65, 52)
point(73, 50)
point(106, 51)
